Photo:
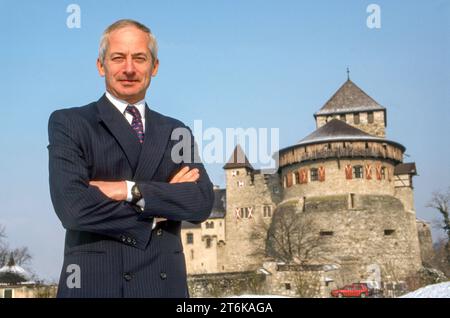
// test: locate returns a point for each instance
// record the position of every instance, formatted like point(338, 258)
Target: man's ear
point(155, 68)
point(100, 68)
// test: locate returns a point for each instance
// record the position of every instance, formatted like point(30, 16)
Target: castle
point(345, 191)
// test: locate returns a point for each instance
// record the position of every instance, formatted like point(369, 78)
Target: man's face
point(128, 66)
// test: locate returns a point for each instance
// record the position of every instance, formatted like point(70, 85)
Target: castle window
point(208, 243)
point(235, 173)
point(275, 189)
point(267, 211)
point(389, 232)
point(358, 172)
point(285, 181)
point(326, 233)
point(190, 238)
point(209, 225)
point(342, 117)
point(314, 174)
point(370, 117)
point(352, 200)
point(383, 173)
point(296, 177)
point(287, 286)
point(192, 254)
point(246, 212)
point(356, 118)
point(240, 184)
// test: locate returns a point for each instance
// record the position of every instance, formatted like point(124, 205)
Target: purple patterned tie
point(137, 122)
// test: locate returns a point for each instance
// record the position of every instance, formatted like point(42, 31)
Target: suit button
point(133, 242)
point(127, 276)
point(128, 239)
point(123, 238)
point(163, 275)
point(159, 232)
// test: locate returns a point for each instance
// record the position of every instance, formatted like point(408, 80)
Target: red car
point(353, 290)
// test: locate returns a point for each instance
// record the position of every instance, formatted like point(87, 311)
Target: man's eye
point(117, 59)
point(140, 59)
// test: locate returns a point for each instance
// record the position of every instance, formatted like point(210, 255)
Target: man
point(115, 186)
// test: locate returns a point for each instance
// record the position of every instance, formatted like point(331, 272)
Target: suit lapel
point(157, 135)
point(120, 129)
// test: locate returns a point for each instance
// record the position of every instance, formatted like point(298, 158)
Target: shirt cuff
point(130, 184)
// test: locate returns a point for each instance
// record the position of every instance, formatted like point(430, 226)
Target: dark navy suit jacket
point(112, 242)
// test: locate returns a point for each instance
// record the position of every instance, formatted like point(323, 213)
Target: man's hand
point(185, 175)
point(115, 190)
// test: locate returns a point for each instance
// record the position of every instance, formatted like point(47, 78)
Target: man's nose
point(129, 66)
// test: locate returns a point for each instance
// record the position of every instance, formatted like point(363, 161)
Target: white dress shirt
point(121, 105)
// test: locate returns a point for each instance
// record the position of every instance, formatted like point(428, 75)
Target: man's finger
point(189, 177)
point(179, 174)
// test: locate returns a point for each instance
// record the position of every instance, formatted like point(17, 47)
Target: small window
point(208, 243)
point(240, 184)
point(389, 232)
point(192, 254)
point(190, 238)
point(383, 173)
point(285, 181)
point(370, 117)
point(267, 211)
point(246, 213)
point(209, 225)
point(358, 172)
point(296, 177)
point(235, 173)
point(342, 117)
point(356, 118)
point(326, 233)
point(314, 173)
point(287, 286)
point(275, 190)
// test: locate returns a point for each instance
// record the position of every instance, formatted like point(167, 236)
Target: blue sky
point(230, 64)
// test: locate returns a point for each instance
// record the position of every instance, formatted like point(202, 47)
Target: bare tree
point(441, 202)
point(289, 238)
point(21, 255)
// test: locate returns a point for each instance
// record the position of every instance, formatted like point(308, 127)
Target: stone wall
point(426, 242)
point(377, 128)
point(375, 230)
point(226, 284)
point(335, 179)
point(242, 250)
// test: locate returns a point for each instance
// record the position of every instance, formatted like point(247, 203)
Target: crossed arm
point(99, 207)
point(117, 190)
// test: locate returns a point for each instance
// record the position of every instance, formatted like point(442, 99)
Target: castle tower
point(354, 184)
point(353, 106)
point(251, 197)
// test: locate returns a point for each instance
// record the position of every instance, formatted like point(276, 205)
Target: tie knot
point(133, 111)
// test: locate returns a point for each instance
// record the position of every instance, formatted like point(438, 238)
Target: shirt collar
point(121, 105)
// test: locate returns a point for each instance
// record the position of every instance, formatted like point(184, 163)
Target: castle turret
point(354, 107)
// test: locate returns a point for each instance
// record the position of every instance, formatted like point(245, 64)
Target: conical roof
point(238, 160)
point(337, 130)
point(349, 98)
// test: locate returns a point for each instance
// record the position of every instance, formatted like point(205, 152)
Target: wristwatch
point(135, 194)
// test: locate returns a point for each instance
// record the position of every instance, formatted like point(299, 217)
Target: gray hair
point(152, 44)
